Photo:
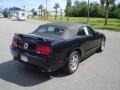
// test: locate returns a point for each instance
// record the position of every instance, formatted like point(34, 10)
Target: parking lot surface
point(100, 71)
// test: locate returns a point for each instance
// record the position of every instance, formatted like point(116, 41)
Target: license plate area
point(24, 58)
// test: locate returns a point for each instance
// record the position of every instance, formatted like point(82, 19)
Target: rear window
point(50, 30)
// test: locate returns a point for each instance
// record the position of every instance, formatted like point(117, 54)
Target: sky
point(29, 4)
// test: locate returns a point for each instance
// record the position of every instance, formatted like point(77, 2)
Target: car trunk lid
point(29, 42)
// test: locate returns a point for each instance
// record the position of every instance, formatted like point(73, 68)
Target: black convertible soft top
point(70, 29)
point(68, 26)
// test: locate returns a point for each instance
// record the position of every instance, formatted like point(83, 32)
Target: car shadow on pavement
point(27, 75)
point(24, 75)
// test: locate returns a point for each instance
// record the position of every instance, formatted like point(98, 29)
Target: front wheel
point(102, 45)
point(73, 62)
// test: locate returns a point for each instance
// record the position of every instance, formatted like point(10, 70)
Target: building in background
point(17, 15)
point(1, 15)
point(51, 13)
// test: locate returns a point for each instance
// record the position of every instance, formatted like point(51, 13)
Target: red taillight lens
point(14, 42)
point(43, 50)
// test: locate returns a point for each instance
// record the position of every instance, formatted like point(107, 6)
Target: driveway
point(100, 71)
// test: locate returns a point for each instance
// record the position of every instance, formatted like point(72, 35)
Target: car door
point(91, 40)
point(88, 40)
point(82, 38)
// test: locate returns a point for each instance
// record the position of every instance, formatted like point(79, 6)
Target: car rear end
point(36, 51)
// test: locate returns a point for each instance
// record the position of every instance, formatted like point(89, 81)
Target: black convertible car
point(57, 45)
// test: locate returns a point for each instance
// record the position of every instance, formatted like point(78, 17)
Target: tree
point(61, 14)
point(76, 8)
point(118, 11)
point(23, 8)
point(69, 3)
point(33, 12)
point(83, 9)
point(68, 9)
point(80, 9)
point(15, 9)
point(40, 10)
point(96, 10)
point(107, 3)
point(56, 8)
point(44, 12)
point(118, 5)
point(6, 12)
point(112, 11)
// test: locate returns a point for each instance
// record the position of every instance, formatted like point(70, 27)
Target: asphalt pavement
point(101, 71)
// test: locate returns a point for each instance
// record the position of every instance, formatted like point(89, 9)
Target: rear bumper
point(47, 64)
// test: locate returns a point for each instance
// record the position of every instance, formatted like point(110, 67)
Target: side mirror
point(95, 33)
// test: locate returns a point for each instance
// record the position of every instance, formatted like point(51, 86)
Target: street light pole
point(46, 9)
point(88, 13)
point(46, 5)
point(24, 8)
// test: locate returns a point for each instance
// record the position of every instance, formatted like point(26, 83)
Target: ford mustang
point(57, 45)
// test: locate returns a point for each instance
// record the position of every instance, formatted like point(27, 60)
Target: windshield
point(49, 30)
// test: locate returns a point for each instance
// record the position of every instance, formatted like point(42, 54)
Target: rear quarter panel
point(62, 49)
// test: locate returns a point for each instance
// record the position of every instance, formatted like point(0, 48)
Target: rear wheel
point(73, 62)
point(16, 58)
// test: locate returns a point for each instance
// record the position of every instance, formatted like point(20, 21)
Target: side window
point(86, 31)
point(81, 31)
point(90, 30)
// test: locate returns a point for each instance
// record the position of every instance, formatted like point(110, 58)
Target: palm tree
point(44, 13)
point(88, 12)
point(33, 12)
point(69, 11)
point(61, 14)
point(40, 9)
point(24, 8)
point(107, 3)
point(56, 8)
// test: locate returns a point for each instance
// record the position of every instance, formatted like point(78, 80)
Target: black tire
point(102, 45)
point(16, 58)
point(68, 67)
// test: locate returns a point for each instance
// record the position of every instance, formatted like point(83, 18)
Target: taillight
point(14, 42)
point(43, 50)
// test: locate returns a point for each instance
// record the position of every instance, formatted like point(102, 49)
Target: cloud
point(29, 4)
point(35, 3)
point(62, 4)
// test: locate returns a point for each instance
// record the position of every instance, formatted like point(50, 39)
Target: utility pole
point(24, 8)
point(46, 9)
point(61, 15)
point(88, 13)
point(46, 5)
